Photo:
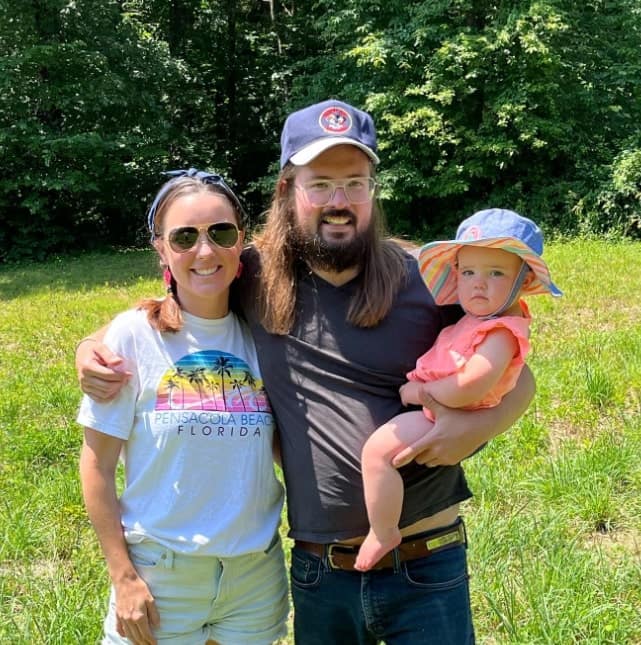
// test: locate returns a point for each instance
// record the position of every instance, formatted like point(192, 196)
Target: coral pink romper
point(456, 343)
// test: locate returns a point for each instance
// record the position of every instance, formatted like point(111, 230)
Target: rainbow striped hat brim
point(519, 235)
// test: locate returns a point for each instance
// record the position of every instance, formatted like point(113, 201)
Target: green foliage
point(226, 109)
point(483, 103)
point(81, 121)
point(614, 206)
point(531, 104)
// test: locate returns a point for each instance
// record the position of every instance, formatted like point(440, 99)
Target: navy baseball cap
point(321, 126)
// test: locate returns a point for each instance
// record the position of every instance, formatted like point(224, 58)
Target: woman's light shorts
point(235, 601)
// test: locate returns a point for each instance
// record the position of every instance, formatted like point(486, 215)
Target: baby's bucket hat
point(494, 228)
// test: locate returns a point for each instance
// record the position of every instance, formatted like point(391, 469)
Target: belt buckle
point(456, 536)
point(346, 550)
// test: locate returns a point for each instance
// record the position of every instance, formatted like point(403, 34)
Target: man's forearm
point(491, 422)
point(96, 336)
point(83, 346)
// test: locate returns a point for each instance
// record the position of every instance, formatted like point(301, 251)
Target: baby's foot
point(375, 546)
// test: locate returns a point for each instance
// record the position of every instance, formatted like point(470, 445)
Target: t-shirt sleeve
point(116, 417)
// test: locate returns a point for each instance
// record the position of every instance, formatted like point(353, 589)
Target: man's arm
point(100, 371)
point(458, 433)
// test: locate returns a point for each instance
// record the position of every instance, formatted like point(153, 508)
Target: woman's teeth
point(205, 271)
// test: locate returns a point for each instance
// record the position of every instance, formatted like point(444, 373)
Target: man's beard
point(331, 255)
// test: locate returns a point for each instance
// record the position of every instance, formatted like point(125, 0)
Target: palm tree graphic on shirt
point(198, 377)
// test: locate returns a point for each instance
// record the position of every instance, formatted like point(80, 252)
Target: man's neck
point(337, 278)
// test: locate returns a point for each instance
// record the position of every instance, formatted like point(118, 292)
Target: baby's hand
point(411, 393)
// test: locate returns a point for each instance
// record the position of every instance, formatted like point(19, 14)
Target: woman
point(192, 545)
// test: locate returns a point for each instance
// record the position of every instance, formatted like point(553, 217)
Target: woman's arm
point(459, 433)
point(100, 372)
point(135, 607)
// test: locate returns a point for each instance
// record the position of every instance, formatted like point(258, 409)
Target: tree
point(81, 121)
point(531, 104)
point(484, 103)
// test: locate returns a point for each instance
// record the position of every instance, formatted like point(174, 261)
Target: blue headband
point(206, 178)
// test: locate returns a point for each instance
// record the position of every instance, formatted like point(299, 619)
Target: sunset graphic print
point(211, 380)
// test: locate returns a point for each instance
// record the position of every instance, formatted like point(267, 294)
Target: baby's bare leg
point(383, 485)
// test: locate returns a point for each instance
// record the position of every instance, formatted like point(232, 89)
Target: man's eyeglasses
point(320, 192)
point(184, 238)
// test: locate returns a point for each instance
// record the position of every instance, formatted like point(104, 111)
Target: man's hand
point(447, 443)
point(101, 373)
point(459, 433)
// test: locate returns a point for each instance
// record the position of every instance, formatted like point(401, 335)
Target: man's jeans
point(418, 602)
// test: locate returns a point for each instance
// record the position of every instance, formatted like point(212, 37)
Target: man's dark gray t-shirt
point(331, 384)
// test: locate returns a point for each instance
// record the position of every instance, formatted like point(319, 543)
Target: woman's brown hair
point(383, 267)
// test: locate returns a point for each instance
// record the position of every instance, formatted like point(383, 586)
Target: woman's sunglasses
point(184, 238)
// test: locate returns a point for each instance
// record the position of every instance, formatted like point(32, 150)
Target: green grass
point(555, 524)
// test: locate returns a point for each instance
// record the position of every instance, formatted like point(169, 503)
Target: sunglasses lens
point(224, 234)
point(183, 238)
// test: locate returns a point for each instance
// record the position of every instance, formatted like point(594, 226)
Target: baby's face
point(485, 277)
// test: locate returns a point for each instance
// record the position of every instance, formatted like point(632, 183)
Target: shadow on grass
point(117, 268)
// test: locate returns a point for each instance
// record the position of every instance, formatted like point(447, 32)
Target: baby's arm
point(479, 375)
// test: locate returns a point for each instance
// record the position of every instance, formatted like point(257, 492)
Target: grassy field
point(555, 524)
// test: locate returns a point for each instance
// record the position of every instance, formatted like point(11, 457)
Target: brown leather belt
point(343, 556)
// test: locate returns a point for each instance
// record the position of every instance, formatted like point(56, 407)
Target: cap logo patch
point(472, 233)
point(335, 120)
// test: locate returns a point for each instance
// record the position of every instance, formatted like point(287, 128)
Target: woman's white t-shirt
point(198, 433)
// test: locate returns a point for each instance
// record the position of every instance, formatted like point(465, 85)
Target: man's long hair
point(383, 268)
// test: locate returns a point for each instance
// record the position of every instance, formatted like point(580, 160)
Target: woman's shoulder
point(129, 322)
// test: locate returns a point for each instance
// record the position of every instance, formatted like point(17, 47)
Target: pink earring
point(166, 276)
point(240, 269)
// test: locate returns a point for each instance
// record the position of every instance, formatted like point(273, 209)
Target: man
point(339, 316)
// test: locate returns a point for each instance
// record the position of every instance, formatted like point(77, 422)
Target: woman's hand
point(136, 612)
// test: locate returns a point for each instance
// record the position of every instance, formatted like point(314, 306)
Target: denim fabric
point(420, 602)
point(236, 601)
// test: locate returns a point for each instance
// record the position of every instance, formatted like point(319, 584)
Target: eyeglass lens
point(357, 190)
point(224, 234)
